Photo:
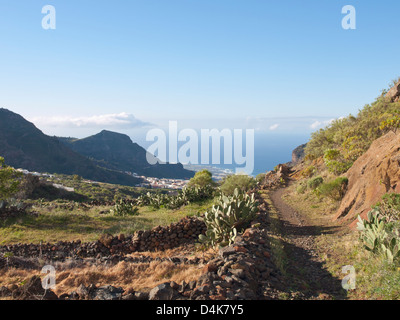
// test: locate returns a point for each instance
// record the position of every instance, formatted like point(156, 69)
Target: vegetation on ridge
point(346, 139)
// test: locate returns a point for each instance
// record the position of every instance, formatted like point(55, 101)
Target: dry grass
point(129, 276)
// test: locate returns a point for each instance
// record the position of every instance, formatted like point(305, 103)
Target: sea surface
point(270, 149)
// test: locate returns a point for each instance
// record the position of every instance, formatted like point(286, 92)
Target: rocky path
point(306, 277)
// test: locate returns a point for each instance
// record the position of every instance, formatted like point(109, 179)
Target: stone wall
point(185, 231)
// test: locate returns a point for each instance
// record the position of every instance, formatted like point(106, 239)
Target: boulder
point(375, 173)
point(394, 93)
point(108, 293)
point(298, 153)
point(162, 292)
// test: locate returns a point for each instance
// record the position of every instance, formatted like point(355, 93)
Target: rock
point(210, 268)
point(192, 285)
point(226, 251)
point(218, 297)
point(249, 233)
point(106, 240)
point(121, 237)
point(200, 291)
point(394, 93)
point(298, 153)
point(174, 285)
point(107, 293)
point(240, 249)
point(277, 177)
point(207, 278)
point(162, 292)
point(129, 296)
point(372, 175)
point(83, 292)
point(237, 272)
point(182, 287)
point(266, 254)
point(141, 295)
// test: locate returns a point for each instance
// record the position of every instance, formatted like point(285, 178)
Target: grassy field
point(55, 224)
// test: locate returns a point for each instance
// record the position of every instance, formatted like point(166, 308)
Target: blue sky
point(286, 66)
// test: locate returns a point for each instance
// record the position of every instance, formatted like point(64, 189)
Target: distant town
point(148, 182)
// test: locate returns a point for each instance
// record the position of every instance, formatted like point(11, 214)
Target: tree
point(242, 182)
point(202, 178)
point(10, 180)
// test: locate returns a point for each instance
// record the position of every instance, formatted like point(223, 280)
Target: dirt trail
point(306, 276)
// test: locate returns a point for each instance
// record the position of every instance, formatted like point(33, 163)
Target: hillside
point(116, 151)
point(375, 173)
point(25, 146)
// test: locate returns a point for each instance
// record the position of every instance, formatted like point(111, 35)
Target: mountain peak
point(107, 136)
point(25, 146)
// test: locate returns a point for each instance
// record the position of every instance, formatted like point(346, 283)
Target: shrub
point(336, 162)
point(201, 179)
point(391, 124)
point(354, 134)
point(301, 188)
point(10, 181)
point(241, 182)
point(314, 183)
point(335, 189)
point(338, 167)
point(260, 177)
point(331, 154)
point(228, 217)
point(308, 172)
point(389, 207)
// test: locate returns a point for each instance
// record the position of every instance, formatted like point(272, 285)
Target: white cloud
point(274, 126)
point(117, 120)
point(319, 124)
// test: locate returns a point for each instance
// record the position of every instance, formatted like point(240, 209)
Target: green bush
point(331, 154)
point(10, 181)
point(314, 183)
point(238, 181)
point(201, 179)
point(309, 171)
point(228, 217)
point(390, 207)
point(335, 189)
point(260, 177)
point(335, 162)
point(354, 134)
point(301, 188)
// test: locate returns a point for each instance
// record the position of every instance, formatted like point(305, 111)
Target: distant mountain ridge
point(25, 146)
point(116, 151)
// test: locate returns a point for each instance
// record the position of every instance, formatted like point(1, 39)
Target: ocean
point(270, 149)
